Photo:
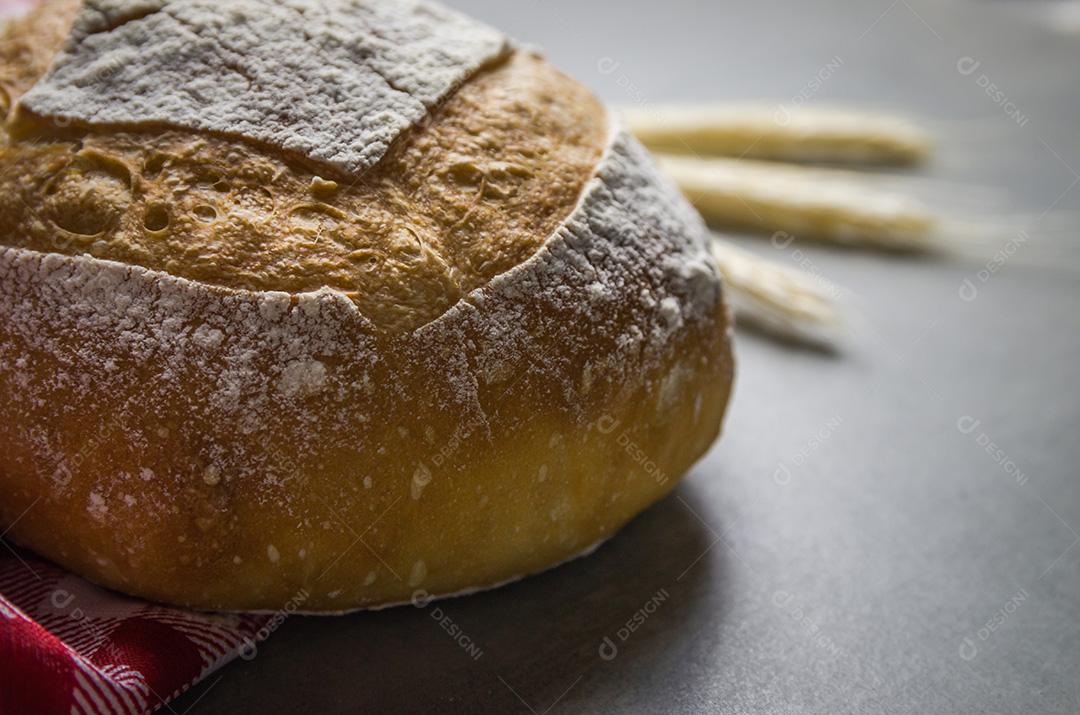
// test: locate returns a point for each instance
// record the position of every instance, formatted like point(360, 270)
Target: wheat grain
point(799, 134)
point(782, 299)
point(805, 202)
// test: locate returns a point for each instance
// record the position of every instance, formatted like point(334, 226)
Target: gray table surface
point(846, 547)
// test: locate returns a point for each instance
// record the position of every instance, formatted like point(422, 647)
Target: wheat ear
point(801, 134)
point(782, 299)
point(801, 201)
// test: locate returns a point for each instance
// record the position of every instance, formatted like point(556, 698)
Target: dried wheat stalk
point(781, 299)
point(806, 202)
point(800, 134)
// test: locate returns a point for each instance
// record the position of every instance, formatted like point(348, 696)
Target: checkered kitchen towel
point(67, 646)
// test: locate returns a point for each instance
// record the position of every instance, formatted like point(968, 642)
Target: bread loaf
point(342, 299)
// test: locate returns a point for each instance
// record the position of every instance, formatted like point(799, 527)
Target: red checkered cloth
point(69, 647)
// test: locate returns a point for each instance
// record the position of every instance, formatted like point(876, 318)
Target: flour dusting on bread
point(336, 81)
point(633, 249)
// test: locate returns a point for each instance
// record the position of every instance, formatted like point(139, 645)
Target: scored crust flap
point(335, 81)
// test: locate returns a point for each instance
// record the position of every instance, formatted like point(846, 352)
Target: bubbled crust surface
point(458, 200)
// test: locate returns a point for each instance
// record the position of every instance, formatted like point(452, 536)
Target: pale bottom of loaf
point(429, 598)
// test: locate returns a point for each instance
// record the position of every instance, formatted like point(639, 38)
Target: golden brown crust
point(457, 201)
point(230, 450)
point(182, 441)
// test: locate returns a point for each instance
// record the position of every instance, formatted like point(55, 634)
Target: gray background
point(852, 584)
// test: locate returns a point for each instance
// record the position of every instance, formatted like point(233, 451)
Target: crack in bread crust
point(458, 200)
